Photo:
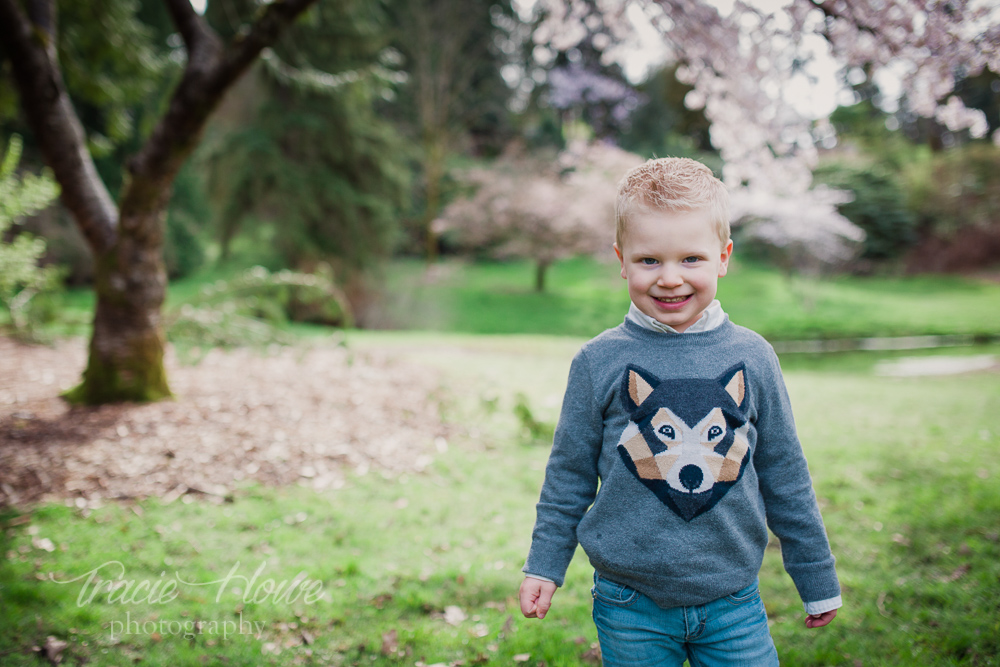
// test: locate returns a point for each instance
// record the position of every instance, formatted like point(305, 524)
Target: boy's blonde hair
point(671, 185)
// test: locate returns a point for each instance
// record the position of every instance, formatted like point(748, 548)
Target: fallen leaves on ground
point(53, 649)
point(454, 615)
point(390, 642)
point(290, 415)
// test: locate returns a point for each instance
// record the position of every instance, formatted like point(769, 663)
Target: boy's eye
point(691, 259)
point(648, 261)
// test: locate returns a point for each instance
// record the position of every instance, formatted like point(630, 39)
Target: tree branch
point(210, 72)
point(49, 111)
point(195, 32)
point(42, 13)
point(831, 12)
point(264, 32)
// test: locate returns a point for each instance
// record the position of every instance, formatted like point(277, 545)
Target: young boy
point(676, 450)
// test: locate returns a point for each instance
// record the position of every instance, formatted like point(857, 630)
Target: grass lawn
point(584, 297)
point(423, 568)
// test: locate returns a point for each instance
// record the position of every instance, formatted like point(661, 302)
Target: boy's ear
point(621, 258)
point(727, 253)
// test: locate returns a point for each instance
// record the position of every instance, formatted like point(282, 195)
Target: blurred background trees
point(126, 237)
point(544, 207)
point(377, 130)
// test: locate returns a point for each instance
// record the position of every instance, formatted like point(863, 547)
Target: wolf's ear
point(639, 384)
point(735, 383)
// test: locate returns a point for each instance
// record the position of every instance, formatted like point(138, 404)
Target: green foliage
point(315, 162)
point(958, 188)
point(321, 170)
point(956, 196)
point(188, 214)
point(453, 54)
point(878, 207)
point(251, 308)
point(663, 126)
point(533, 429)
point(21, 278)
point(950, 196)
point(980, 92)
point(111, 65)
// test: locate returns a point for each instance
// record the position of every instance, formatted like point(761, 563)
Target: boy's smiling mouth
point(671, 299)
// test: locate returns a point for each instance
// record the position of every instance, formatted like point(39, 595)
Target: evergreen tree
point(315, 164)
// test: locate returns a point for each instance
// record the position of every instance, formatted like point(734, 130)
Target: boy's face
point(673, 262)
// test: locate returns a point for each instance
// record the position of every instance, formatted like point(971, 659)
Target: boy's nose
point(670, 277)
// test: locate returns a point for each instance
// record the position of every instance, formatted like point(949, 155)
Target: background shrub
point(878, 207)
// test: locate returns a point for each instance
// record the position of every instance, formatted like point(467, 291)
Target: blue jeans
point(634, 631)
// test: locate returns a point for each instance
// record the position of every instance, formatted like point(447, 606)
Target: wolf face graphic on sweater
point(687, 438)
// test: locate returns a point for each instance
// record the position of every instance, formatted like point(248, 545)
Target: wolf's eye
point(667, 431)
point(714, 432)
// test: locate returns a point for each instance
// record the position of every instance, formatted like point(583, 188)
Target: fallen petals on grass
point(454, 615)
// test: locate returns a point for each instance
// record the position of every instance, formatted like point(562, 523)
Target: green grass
point(906, 472)
point(584, 297)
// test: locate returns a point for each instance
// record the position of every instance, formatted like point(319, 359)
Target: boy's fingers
point(529, 592)
point(535, 597)
point(544, 602)
point(819, 620)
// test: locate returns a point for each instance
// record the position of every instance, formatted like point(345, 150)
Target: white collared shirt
point(710, 318)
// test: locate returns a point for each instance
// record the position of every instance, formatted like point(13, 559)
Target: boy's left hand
point(819, 620)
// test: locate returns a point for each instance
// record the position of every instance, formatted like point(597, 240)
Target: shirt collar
point(710, 318)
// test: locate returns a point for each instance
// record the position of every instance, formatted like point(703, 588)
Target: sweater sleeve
point(789, 500)
point(571, 477)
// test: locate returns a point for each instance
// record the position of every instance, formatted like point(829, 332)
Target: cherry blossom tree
point(803, 239)
point(527, 206)
point(740, 61)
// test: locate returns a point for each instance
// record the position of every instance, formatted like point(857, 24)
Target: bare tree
point(127, 344)
point(444, 43)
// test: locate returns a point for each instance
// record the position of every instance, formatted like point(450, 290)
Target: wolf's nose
point(691, 477)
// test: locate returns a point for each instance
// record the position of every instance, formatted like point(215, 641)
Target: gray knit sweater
point(672, 456)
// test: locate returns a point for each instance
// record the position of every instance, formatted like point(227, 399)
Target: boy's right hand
point(536, 597)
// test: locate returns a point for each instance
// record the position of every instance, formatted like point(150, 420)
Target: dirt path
point(295, 415)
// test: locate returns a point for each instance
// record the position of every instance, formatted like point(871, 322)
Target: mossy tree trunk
point(127, 344)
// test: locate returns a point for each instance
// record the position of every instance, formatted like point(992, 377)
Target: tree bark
point(434, 154)
point(31, 49)
point(541, 267)
point(127, 344)
point(435, 37)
